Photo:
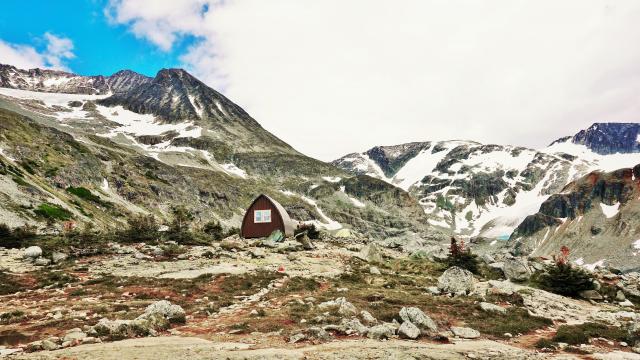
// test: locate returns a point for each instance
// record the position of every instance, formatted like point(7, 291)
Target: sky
point(332, 77)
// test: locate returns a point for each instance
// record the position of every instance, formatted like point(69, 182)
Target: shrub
point(180, 224)
point(15, 238)
point(214, 229)
point(564, 279)
point(309, 229)
point(461, 257)
point(52, 212)
point(142, 228)
point(5, 231)
point(83, 193)
point(580, 334)
point(545, 344)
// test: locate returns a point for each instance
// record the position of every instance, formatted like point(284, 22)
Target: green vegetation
point(14, 238)
point(562, 278)
point(52, 212)
point(461, 257)
point(580, 334)
point(515, 321)
point(83, 193)
point(142, 228)
point(444, 203)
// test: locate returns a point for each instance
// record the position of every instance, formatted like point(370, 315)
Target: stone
point(418, 318)
point(172, 313)
point(488, 307)
point(626, 303)
point(367, 318)
point(355, 326)
point(32, 252)
point(90, 340)
point(371, 253)
point(465, 332)
point(342, 306)
point(620, 296)
point(41, 261)
point(380, 332)
point(318, 333)
point(257, 253)
point(373, 270)
point(58, 257)
point(305, 242)
point(590, 295)
point(408, 331)
point(456, 281)
point(74, 335)
point(433, 290)
point(296, 338)
point(49, 345)
point(517, 269)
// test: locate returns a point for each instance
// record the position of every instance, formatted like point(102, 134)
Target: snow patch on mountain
point(608, 162)
point(233, 169)
point(49, 99)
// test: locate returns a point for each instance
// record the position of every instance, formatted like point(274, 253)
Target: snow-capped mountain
point(608, 138)
point(481, 190)
point(64, 82)
point(141, 144)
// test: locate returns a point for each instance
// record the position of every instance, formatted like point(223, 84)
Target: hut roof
point(289, 224)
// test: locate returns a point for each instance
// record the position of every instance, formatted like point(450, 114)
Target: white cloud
point(332, 76)
point(58, 50)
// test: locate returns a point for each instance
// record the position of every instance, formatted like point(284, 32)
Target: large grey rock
point(418, 318)
point(32, 252)
point(341, 305)
point(590, 295)
point(73, 335)
point(456, 281)
point(517, 269)
point(379, 332)
point(170, 312)
point(371, 253)
point(488, 307)
point(41, 261)
point(408, 331)
point(465, 332)
point(57, 257)
point(367, 318)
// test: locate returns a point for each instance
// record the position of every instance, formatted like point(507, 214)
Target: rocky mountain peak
point(608, 138)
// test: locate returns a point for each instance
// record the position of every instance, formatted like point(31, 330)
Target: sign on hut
point(264, 216)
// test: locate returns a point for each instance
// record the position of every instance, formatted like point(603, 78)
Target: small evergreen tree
point(461, 257)
point(214, 229)
point(142, 228)
point(564, 279)
point(180, 225)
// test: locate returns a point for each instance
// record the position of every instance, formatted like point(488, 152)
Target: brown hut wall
point(253, 230)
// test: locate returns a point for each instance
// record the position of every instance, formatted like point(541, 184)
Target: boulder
point(73, 335)
point(32, 252)
point(465, 332)
point(379, 332)
point(170, 312)
point(488, 307)
point(41, 261)
point(590, 295)
point(318, 333)
point(373, 270)
point(418, 318)
point(456, 281)
point(57, 257)
point(371, 253)
point(408, 331)
point(341, 305)
point(367, 318)
point(296, 338)
point(517, 269)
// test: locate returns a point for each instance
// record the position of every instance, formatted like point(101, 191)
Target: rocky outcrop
point(456, 281)
point(608, 138)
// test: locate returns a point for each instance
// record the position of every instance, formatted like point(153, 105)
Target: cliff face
point(597, 216)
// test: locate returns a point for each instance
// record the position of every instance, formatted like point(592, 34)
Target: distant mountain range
point(142, 144)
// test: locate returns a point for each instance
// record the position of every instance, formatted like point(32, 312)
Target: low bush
point(141, 228)
point(310, 229)
point(562, 278)
point(461, 257)
point(580, 334)
point(52, 212)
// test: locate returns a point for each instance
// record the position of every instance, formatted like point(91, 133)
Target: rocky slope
point(483, 190)
point(597, 216)
point(608, 138)
point(140, 144)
